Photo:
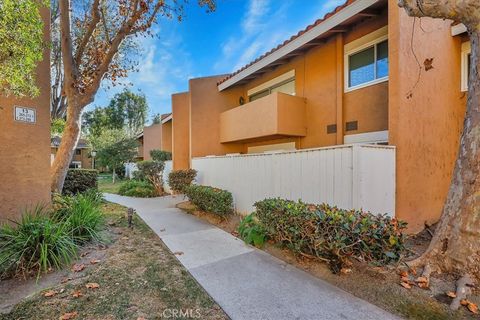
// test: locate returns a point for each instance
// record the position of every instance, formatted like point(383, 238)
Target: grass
point(137, 276)
point(105, 183)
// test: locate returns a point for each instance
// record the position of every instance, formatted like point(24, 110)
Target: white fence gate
point(131, 167)
point(348, 176)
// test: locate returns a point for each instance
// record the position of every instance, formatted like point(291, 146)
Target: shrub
point(178, 180)
point(210, 199)
point(330, 233)
point(136, 188)
point(79, 181)
point(37, 242)
point(251, 231)
point(159, 155)
point(152, 171)
point(83, 219)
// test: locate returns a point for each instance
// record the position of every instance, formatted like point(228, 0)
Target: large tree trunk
point(67, 147)
point(455, 246)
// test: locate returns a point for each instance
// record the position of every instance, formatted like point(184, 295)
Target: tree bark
point(64, 154)
point(455, 246)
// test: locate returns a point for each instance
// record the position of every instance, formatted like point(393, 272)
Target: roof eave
point(333, 21)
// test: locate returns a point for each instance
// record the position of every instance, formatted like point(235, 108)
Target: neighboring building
point(139, 156)
point(352, 77)
point(25, 143)
point(82, 158)
point(158, 136)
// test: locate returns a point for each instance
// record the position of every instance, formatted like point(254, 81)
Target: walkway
point(247, 283)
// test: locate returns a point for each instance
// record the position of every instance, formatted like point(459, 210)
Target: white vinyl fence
point(348, 176)
point(131, 167)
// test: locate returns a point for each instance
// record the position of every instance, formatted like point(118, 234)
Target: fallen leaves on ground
point(94, 261)
point(83, 254)
point(49, 293)
point(92, 285)
point(78, 267)
point(406, 285)
point(178, 253)
point(422, 282)
point(472, 307)
point(77, 294)
point(403, 274)
point(69, 315)
point(346, 270)
point(65, 280)
point(451, 294)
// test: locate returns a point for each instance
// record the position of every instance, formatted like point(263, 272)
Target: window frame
point(357, 49)
point(466, 51)
point(277, 81)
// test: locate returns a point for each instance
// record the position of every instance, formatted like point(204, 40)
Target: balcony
point(274, 116)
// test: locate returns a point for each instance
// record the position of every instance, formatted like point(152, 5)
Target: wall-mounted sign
point(23, 114)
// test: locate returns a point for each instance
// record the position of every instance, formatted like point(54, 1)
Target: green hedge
point(178, 180)
point(159, 155)
point(210, 199)
point(330, 233)
point(139, 189)
point(80, 181)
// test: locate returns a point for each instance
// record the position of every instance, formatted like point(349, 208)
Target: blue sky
point(220, 42)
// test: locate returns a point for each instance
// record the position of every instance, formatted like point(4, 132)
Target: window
point(287, 87)
point(284, 83)
point(366, 60)
point(75, 165)
point(466, 59)
point(78, 152)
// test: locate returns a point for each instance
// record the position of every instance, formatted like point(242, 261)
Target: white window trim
point(368, 137)
point(466, 50)
point(271, 83)
point(361, 44)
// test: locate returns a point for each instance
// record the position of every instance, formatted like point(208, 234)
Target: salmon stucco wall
point(152, 139)
point(181, 131)
point(206, 104)
point(319, 77)
point(426, 112)
point(24, 147)
point(167, 136)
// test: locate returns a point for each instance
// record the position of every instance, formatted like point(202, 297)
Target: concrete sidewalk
point(247, 283)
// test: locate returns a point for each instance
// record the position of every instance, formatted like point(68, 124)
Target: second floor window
point(78, 151)
point(368, 65)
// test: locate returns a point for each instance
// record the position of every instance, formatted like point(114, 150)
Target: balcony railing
point(276, 115)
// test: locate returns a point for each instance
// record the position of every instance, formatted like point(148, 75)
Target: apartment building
point(25, 143)
point(82, 157)
point(365, 73)
point(157, 136)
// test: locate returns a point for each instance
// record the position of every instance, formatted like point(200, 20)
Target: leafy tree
point(157, 118)
point(21, 46)
point(454, 247)
point(57, 126)
point(130, 109)
point(90, 54)
point(116, 154)
point(159, 155)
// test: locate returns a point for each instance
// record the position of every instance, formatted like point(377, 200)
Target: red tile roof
point(316, 23)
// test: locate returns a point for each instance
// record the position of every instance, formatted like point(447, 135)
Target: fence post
point(356, 176)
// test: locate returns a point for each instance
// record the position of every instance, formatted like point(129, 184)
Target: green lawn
point(105, 183)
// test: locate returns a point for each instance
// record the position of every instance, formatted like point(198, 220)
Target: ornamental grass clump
point(332, 234)
point(35, 243)
point(210, 199)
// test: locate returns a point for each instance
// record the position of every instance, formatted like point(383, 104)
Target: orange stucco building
point(25, 144)
point(351, 77)
point(157, 136)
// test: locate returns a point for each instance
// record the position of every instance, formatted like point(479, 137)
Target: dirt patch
point(229, 223)
point(378, 285)
point(133, 276)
